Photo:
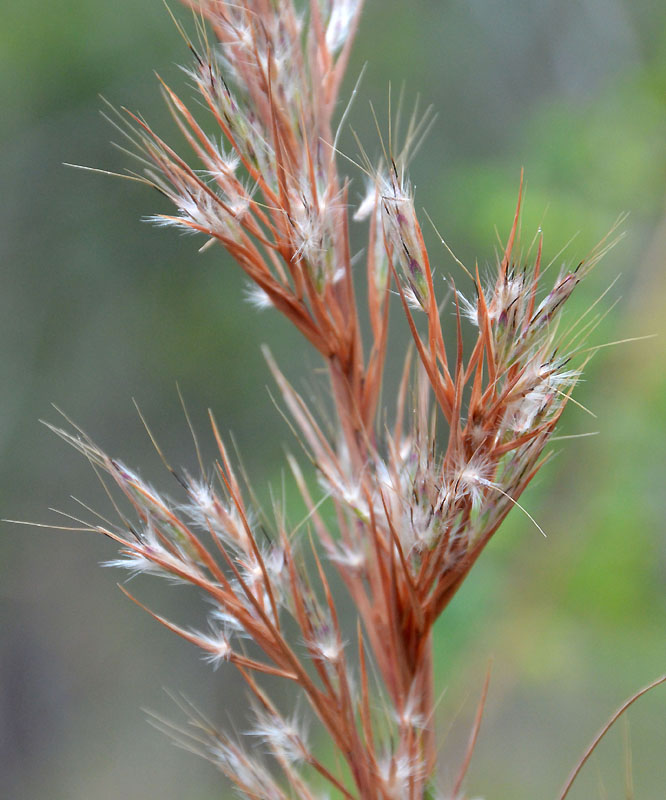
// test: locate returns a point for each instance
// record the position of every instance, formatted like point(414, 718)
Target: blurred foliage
point(97, 308)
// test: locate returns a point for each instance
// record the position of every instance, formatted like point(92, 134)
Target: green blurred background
point(98, 308)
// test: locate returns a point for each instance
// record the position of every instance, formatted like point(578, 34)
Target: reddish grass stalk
point(405, 519)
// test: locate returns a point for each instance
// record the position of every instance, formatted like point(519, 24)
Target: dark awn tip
point(196, 55)
point(180, 479)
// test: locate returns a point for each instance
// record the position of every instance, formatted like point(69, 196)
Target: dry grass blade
point(593, 745)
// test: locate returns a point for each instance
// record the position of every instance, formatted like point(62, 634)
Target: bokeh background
point(97, 308)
